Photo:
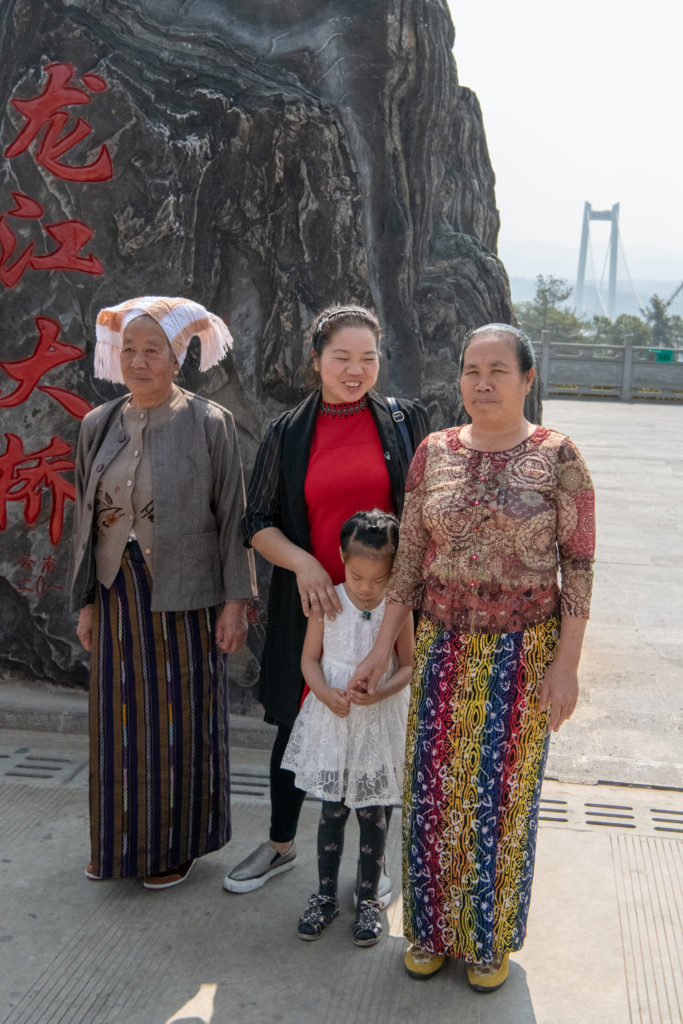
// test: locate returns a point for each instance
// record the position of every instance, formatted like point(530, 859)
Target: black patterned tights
point(372, 822)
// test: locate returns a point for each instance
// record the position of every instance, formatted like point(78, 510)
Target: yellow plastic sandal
point(488, 977)
point(421, 964)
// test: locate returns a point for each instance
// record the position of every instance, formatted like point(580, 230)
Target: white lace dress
point(359, 758)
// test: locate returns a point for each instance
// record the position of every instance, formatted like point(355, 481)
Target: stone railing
point(626, 372)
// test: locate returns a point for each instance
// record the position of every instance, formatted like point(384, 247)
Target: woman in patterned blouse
point(493, 509)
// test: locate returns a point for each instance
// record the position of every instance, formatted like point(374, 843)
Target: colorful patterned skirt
point(159, 771)
point(476, 750)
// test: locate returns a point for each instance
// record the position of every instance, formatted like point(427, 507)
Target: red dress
point(347, 473)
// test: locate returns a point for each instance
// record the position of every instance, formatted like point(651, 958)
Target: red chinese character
point(49, 565)
point(24, 476)
point(70, 236)
point(26, 562)
point(45, 111)
point(48, 353)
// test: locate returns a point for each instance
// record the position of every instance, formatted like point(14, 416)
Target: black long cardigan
point(280, 680)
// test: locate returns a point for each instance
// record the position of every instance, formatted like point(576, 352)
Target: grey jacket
point(198, 493)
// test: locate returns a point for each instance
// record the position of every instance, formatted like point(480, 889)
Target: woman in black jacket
point(343, 449)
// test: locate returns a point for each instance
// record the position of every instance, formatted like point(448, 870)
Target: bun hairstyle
point(372, 529)
point(524, 350)
point(335, 317)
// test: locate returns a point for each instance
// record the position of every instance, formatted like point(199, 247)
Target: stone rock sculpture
point(264, 158)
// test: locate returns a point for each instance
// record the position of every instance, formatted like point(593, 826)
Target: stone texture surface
point(268, 159)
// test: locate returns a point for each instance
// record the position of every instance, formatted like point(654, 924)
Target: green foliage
point(614, 332)
point(665, 329)
point(676, 323)
point(545, 312)
point(550, 292)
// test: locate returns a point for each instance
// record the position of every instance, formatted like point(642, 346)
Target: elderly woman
point(160, 578)
point(493, 509)
point(338, 452)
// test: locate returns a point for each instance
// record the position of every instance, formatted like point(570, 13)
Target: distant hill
point(527, 259)
point(653, 271)
point(524, 288)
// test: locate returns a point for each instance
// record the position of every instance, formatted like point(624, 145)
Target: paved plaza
point(628, 727)
point(605, 939)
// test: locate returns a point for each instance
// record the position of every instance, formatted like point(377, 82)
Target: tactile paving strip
point(649, 884)
point(620, 809)
point(31, 766)
point(626, 809)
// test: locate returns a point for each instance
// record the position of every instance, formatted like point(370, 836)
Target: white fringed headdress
point(179, 319)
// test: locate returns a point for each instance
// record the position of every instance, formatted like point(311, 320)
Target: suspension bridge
point(606, 283)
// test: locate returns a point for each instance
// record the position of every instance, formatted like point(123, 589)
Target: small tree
point(676, 323)
point(655, 314)
point(544, 312)
point(550, 293)
point(667, 329)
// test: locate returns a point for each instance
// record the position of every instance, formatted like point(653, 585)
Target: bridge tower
point(590, 214)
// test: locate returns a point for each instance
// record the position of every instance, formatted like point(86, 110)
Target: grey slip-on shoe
point(262, 864)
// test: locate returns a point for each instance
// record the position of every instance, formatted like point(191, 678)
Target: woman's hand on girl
point(316, 589)
point(370, 670)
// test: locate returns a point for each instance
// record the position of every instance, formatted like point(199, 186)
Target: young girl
point(347, 749)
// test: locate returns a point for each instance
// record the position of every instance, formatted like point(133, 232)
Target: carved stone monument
point(264, 158)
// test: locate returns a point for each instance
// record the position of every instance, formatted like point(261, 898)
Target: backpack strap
point(400, 421)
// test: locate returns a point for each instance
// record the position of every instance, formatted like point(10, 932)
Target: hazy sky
point(581, 101)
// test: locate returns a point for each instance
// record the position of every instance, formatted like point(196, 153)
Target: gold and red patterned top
point(483, 534)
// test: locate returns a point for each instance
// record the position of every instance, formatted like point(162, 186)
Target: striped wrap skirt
point(477, 744)
point(159, 769)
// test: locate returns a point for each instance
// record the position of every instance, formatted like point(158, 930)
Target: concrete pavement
point(605, 939)
point(604, 943)
point(628, 726)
